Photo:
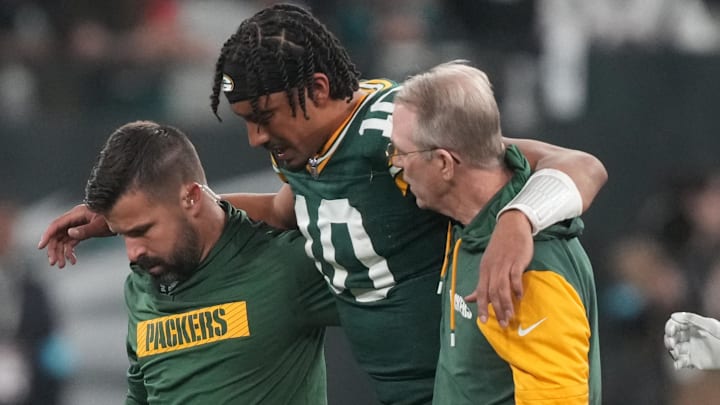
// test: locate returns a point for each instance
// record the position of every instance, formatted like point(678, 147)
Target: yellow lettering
point(192, 328)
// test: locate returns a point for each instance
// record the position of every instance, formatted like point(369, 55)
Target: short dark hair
point(280, 48)
point(145, 156)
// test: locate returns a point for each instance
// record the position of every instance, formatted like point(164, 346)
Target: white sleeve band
point(549, 196)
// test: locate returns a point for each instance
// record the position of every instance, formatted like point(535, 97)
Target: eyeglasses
point(391, 152)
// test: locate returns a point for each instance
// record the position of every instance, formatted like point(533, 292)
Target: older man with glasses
point(447, 140)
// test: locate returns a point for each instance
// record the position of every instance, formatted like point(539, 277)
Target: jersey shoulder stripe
point(376, 98)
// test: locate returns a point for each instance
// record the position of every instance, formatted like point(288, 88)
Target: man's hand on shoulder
point(69, 229)
point(507, 256)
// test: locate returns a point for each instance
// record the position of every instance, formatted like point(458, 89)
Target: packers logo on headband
point(228, 84)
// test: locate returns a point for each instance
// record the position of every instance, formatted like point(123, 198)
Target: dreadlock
point(281, 47)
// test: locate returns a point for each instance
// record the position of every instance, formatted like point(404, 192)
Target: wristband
point(549, 196)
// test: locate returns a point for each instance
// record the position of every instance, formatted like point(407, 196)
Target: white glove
point(693, 341)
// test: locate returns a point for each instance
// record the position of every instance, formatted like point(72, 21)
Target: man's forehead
point(403, 123)
point(265, 102)
point(130, 207)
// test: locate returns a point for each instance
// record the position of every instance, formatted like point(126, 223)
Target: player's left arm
point(563, 185)
point(585, 170)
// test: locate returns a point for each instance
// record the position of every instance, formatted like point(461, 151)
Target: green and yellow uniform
point(549, 353)
point(246, 328)
point(380, 253)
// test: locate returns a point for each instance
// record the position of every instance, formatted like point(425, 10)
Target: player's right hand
point(507, 256)
point(67, 230)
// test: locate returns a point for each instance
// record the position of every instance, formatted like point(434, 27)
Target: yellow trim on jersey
point(328, 145)
point(368, 87)
point(547, 344)
point(400, 182)
point(277, 170)
point(192, 328)
point(371, 85)
point(378, 85)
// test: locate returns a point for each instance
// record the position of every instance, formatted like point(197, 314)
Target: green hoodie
point(549, 353)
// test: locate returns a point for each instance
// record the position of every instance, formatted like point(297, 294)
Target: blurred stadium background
point(634, 82)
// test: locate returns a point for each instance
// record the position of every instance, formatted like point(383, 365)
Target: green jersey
point(245, 328)
point(365, 233)
point(378, 251)
point(549, 353)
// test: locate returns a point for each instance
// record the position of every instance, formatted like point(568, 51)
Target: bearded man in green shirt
point(222, 309)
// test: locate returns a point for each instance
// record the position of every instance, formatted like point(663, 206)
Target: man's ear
point(191, 195)
point(320, 89)
point(447, 164)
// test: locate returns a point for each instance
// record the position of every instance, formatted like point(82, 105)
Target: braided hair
point(279, 49)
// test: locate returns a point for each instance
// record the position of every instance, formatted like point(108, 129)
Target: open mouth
point(279, 153)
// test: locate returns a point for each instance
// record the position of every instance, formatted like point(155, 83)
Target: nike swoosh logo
point(523, 332)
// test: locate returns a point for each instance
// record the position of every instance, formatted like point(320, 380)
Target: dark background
point(648, 109)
